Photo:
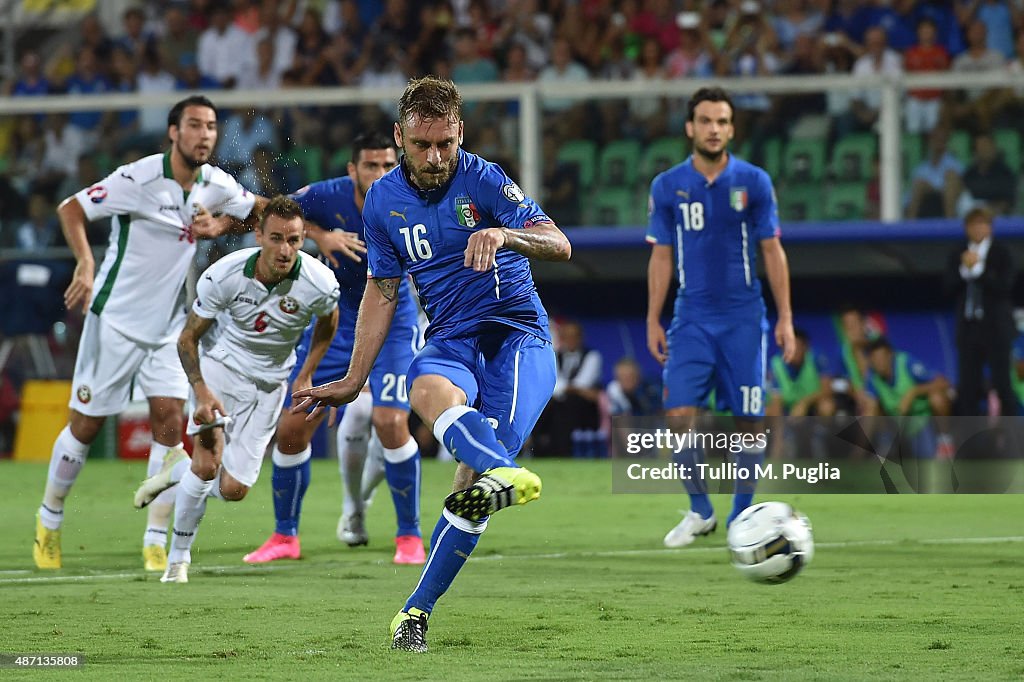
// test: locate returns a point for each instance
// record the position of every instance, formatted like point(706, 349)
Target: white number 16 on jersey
point(416, 243)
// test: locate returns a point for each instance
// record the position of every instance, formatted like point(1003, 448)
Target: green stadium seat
point(1008, 142)
point(804, 160)
point(959, 145)
point(800, 201)
point(583, 154)
point(619, 163)
point(337, 165)
point(912, 147)
point(661, 155)
point(614, 206)
point(846, 201)
point(771, 156)
point(853, 157)
point(310, 160)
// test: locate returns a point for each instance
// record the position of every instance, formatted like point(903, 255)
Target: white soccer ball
point(770, 542)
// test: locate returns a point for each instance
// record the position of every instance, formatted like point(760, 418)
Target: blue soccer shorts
point(506, 373)
point(726, 355)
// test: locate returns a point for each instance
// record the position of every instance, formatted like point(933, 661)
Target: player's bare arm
point(72, 224)
point(376, 311)
point(543, 242)
point(659, 277)
point(330, 242)
point(776, 267)
point(188, 353)
point(323, 333)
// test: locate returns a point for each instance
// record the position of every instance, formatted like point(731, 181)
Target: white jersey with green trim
point(258, 333)
point(140, 287)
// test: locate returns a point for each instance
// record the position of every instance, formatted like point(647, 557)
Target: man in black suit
point(980, 274)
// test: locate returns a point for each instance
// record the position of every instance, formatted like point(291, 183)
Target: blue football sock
point(404, 481)
point(744, 492)
point(696, 487)
point(290, 481)
point(450, 546)
point(471, 440)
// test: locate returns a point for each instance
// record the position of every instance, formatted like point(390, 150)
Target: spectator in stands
point(921, 109)
point(980, 275)
point(93, 36)
point(261, 73)
point(561, 182)
point(178, 39)
point(517, 68)
point(656, 19)
point(87, 79)
point(804, 386)
point(30, 79)
point(905, 387)
point(571, 419)
point(999, 21)
point(977, 107)
point(41, 230)
point(936, 182)
point(892, 18)
point(630, 394)
point(526, 25)
point(223, 47)
point(243, 132)
point(312, 40)
point(282, 37)
point(153, 79)
point(694, 55)
point(796, 18)
point(647, 114)
point(838, 58)
point(878, 60)
point(63, 143)
point(563, 69)
point(989, 180)
point(124, 78)
point(136, 39)
point(191, 78)
point(246, 15)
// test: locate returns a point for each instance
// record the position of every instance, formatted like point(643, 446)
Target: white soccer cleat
point(161, 480)
point(692, 526)
point(176, 572)
point(352, 530)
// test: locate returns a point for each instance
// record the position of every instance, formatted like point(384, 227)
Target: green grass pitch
point(575, 586)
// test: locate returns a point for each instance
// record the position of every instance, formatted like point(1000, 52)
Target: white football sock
point(373, 469)
point(66, 462)
point(189, 507)
point(158, 516)
point(352, 445)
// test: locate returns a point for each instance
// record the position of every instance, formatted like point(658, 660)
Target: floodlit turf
point(575, 586)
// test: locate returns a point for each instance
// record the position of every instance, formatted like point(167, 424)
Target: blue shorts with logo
point(506, 373)
point(727, 355)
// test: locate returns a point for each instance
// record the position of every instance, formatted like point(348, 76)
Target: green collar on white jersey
point(250, 266)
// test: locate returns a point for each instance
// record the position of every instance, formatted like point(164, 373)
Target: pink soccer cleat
point(277, 547)
point(409, 550)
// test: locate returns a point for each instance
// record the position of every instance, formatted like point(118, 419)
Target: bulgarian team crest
point(466, 212)
point(738, 198)
point(289, 305)
point(84, 394)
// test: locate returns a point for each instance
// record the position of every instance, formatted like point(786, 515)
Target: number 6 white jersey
point(139, 288)
point(259, 327)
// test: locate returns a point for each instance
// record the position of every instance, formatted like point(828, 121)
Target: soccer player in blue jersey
point(708, 215)
point(336, 204)
point(464, 231)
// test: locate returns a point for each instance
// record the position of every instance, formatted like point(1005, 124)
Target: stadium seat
point(804, 160)
point(800, 201)
point(583, 154)
point(310, 163)
point(959, 145)
point(618, 163)
point(614, 206)
point(846, 201)
point(853, 156)
point(771, 156)
point(1008, 142)
point(912, 147)
point(660, 155)
point(337, 165)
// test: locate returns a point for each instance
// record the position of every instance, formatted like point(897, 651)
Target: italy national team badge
point(84, 394)
point(738, 198)
point(288, 305)
point(466, 212)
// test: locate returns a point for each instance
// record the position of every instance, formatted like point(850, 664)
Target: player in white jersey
point(134, 307)
point(263, 299)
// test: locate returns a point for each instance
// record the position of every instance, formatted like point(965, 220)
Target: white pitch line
point(273, 568)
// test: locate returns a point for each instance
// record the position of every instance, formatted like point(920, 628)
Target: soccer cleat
point(276, 547)
point(409, 631)
point(46, 551)
point(409, 550)
point(352, 530)
point(692, 525)
point(154, 558)
point(176, 573)
point(161, 480)
point(496, 489)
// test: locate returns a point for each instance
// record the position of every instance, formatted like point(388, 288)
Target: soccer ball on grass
point(770, 542)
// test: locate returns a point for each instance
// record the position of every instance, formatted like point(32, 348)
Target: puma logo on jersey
point(396, 214)
point(683, 193)
point(341, 219)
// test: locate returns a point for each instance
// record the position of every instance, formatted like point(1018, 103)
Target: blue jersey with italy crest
point(715, 230)
point(425, 233)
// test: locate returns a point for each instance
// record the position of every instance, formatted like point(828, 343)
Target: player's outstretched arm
point(376, 311)
point(659, 276)
point(323, 334)
point(72, 224)
point(188, 352)
point(776, 267)
point(331, 242)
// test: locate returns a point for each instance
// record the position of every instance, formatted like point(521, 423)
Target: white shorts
point(108, 363)
point(253, 410)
